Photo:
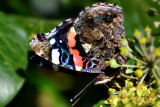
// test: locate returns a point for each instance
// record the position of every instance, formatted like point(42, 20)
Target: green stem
point(137, 49)
point(148, 33)
point(155, 75)
point(143, 78)
point(144, 50)
point(152, 48)
point(142, 62)
point(145, 70)
point(129, 49)
point(157, 61)
point(134, 66)
point(157, 70)
point(156, 67)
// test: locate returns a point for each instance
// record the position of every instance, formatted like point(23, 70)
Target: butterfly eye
point(108, 18)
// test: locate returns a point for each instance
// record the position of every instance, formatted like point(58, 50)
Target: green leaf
point(35, 25)
point(101, 103)
point(13, 58)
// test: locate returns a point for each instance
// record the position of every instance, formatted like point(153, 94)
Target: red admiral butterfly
point(85, 44)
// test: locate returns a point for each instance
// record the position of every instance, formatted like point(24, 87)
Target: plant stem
point(143, 78)
point(134, 66)
point(129, 49)
point(131, 56)
point(139, 50)
point(151, 51)
point(155, 75)
point(144, 50)
point(145, 70)
point(156, 67)
point(157, 61)
point(157, 70)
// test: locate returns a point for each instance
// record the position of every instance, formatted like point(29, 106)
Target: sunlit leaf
point(13, 58)
point(35, 25)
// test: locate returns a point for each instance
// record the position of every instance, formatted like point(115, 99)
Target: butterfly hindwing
point(62, 47)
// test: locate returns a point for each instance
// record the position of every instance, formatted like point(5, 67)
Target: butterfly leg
point(103, 79)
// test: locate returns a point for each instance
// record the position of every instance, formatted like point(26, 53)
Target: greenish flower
point(131, 91)
point(157, 104)
point(139, 91)
point(138, 101)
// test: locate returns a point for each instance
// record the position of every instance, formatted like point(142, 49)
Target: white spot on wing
point(52, 32)
point(60, 41)
point(52, 41)
point(60, 24)
point(87, 47)
point(78, 68)
point(55, 56)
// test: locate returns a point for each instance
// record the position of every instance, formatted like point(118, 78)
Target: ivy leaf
point(13, 58)
point(101, 103)
point(32, 26)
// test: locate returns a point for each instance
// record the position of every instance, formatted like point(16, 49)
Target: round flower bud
point(113, 63)
point(106, 102)
point(138, 63)
point(147, 29)
point(137, 33)
point(130, 84)
point(142, 40)
point(138, 73)
point(157, 51)
point(124, 42)
point(124, 51)
point(111, 90)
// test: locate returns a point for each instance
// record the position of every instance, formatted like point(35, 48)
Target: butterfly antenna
point(76, 98)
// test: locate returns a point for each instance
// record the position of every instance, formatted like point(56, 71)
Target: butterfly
point(86, 43)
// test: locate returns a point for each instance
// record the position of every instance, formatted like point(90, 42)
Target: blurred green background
point(22, 83)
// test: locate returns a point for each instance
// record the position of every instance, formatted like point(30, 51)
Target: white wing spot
point(78, 68)
point(53, 30)
point(60, 24)
point(55, 56)
point(51, 34)
point(52, 41)
point(60, 41)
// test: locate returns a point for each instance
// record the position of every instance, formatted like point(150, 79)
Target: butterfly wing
point(62, 47)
